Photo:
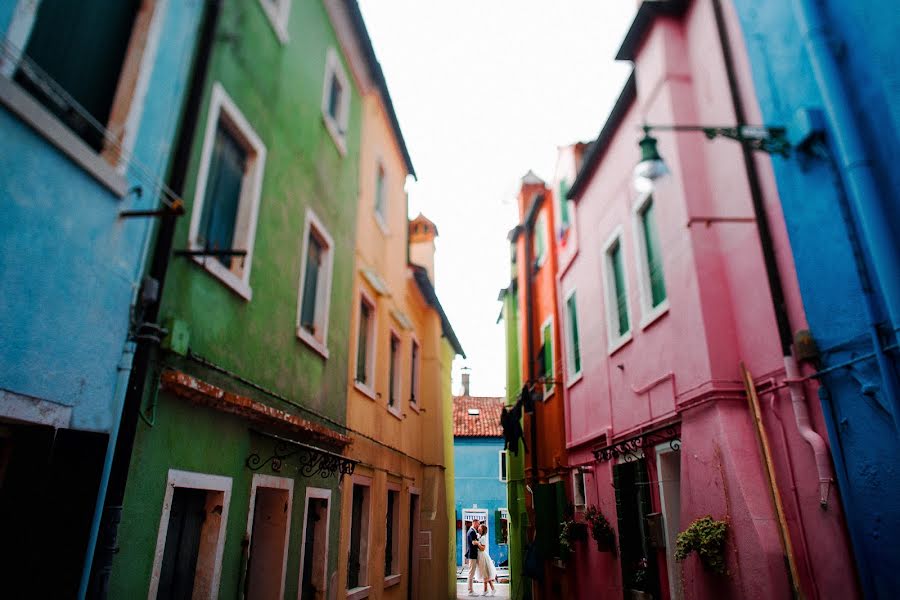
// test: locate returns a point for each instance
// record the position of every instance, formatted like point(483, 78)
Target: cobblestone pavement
point(462, 592)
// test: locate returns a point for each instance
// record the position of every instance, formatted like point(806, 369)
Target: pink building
point(663, 299)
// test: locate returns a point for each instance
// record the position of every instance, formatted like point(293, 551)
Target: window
point(226, 199)
point(617, 316)
point(547, 355)
point(392, 540)
point(191, 536)
point(336, 100)
point(578, 488)
point(380, 196)
point(573, 346)
point(394, 375)
point(315, 285)
point(540, 241)
point(277, 11)
point(653, 285)
point(502, 521)
point(563, 205)
point(414, 375)
point(357, 566)
point(365, 346)
point(503, 475)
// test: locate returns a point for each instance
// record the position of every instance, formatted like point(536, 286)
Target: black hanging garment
point(511, 422)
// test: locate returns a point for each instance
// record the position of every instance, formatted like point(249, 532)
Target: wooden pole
point(765, 450)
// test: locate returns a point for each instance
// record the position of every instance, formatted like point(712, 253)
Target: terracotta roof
point(485, 424)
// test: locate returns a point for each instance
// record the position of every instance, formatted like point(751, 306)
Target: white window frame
point(551, 388)
point(337, 128)
point(319, 343)
point(197, 481)
point(649, 314)
point(397, 409)
point(503, 474)
point(365, 542)
point(277, 483)
point(278, 17)
point(394, 578)
point(367, 388)
point(578, 475)
point(221, 106)
point(381, 216)
point(415, 373)
point(613, 339)
point(323, 494)
point(571, 376)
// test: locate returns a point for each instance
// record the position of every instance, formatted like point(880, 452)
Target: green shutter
point(548, 352)
point(540, 243)
point(362, 342)
point(654, 257)
point(311, 284)
point(573, 334)
point(223, 194)
point(563, 203)
point(619, 281)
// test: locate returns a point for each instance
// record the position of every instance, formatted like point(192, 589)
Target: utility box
point(179, 338)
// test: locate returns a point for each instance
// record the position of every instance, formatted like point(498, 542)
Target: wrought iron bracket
point(772, 140)
point(309, 460)
point(630, 449)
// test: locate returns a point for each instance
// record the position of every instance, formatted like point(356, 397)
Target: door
point(412, 566)
point(469, 515)
point(268, 548)
point(179, 564)
point(312, 583)
point(640, 576)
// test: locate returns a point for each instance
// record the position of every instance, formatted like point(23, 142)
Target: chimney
point(465, 381)
point(421, 244)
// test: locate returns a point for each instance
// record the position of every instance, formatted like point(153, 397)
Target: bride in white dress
point(485, 564)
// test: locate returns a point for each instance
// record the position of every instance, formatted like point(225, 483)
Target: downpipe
point(794, 381)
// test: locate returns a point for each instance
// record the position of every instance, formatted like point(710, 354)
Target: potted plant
point(601, 530)
point(706, 537)
point(570, 531)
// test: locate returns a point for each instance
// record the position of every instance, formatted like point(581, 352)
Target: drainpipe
point(804, 424)
point(107, 543)
point(855, 167)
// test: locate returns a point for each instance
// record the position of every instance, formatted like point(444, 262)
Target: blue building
point(828, 70)
point(90, 98)
point(480, 472)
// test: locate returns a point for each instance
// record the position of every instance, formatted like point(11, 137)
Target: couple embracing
point(476, 553)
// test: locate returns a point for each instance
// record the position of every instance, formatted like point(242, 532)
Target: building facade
point(90, 103)
point(481, 474)
point(823, 71)
point(686, 399)
point(234, 484)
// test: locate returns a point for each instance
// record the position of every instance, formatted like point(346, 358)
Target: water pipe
point(804, 424)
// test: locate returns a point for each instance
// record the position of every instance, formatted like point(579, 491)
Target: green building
point(233, 481)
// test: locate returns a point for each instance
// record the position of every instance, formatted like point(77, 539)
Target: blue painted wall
point(477, 482)
point(844, 296)
point(69, 267)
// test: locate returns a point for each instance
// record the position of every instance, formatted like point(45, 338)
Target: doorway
point(314, 549)
point(412, 566)
point(668, 468)
point(640, 576)
point(469, 515)
point(269, 527)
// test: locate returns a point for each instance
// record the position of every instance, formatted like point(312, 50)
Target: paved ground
point(463, 594)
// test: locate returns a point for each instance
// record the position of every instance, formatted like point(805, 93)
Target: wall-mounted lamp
point(772, 140)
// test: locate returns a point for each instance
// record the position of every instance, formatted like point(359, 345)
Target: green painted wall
point(278, 88)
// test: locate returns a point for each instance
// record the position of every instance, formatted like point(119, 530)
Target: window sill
point(392, 580)
point(358, 592)
point(335, 132)
point(617, 343)
point(573, 379)
point(395, 412)
point(414, 406)
point(382, 224)
point(654, 314)
point(29, 110)
point(548, 395)
point(275, 21)
point(363, 388)
point(218, 270)
point(313, 342)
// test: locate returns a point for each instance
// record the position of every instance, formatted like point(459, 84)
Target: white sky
point(485, 90)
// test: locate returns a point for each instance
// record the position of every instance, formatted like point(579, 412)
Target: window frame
point(551, 388)
point(649, 313)
point(614, 339)
point(415, 372)
point(367, 387)
point(337, 127)
point(314, 226)
point(222, 107)
point(278, 17)
point(381, 183)
point(578, 474)
point(503, 475)
point(572, 376)
point(395, 374)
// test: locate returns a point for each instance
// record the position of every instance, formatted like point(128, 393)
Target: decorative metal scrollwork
point(631, 449)
point(309, 459)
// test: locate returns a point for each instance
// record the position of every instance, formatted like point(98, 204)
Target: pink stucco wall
point(684, 365)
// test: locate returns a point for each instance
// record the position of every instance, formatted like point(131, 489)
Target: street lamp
point(651, 167)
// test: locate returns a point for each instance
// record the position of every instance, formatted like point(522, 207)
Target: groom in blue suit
point(472, 552)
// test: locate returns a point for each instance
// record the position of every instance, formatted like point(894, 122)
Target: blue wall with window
point(477, 484)
point(828, 71)
point(70, 267)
